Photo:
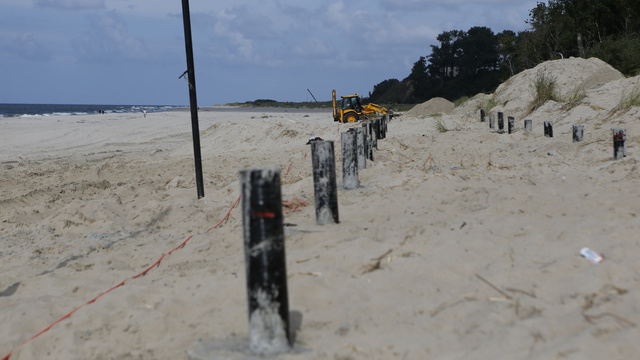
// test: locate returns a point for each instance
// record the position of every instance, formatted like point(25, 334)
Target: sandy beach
point(461, 244)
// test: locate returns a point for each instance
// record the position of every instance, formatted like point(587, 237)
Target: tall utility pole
point(195, 129)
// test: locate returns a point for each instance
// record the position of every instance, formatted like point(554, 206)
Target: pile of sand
point(589, 93)
point(572, 77)
point(436, 105)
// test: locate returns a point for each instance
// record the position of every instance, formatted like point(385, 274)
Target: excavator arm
point(336, 114)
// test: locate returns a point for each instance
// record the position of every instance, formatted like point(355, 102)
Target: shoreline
point(173, 108)
point(265, 109)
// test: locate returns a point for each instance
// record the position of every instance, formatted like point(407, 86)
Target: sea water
point(26, 110)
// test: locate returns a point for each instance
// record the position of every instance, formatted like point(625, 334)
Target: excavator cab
point(351, 102)
point(350, 109)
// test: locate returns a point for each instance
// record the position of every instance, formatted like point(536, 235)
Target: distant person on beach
point(144, 111)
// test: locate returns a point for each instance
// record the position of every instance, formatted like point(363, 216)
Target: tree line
point(465, 63)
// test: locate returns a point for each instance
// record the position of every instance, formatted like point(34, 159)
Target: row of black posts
point(619, 135)
point(263, 229)
point(358, 144)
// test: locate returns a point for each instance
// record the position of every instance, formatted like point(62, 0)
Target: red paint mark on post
point(265, 214)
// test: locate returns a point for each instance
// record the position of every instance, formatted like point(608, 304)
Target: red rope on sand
point(155, 264)
point(286, 173)
point(223, 219)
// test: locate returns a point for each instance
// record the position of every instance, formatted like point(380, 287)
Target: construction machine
point(352, 110)
point(371, 110)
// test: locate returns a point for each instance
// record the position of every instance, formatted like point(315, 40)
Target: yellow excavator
point(372, 109)
point(352, 110)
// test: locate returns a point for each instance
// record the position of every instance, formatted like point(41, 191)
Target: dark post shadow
point(295, 323)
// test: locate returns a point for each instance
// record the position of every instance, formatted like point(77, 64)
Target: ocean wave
point(37, 110)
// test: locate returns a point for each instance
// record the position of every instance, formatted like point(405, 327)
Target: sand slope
point(572, 77)
point(458, 245)
point(433, 106)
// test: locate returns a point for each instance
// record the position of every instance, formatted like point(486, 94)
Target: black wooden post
point(360, 140)
point(374, 134)
point(500, 121)
point(492, 120)
point(368, 141)
point(511, 124)
point(324, 182)
point(365, 130)
point(265, 265)
point(619, 143)
point(528, 125)
point(482, 115)
point(578, 133)
point(387, 119)
point(548, 129)
point(349, 143)
point(195, 129)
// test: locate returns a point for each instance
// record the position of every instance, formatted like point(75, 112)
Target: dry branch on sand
point(293, 205)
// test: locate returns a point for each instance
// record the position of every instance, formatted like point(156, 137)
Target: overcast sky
point(132, 51)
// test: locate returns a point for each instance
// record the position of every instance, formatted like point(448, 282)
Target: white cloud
point(109, 40)
point(237, 45)
point(347, 16)
point(404, 5)
point(228, 35)
point(336, 14)
point(397, 32)
point(313, 48)
point(27, 47)
point(71, 4)
point(426, 5)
